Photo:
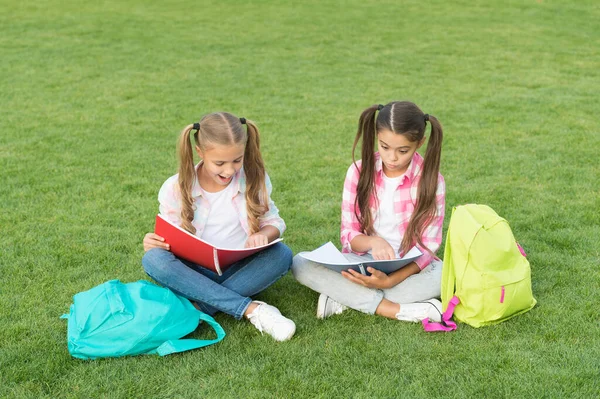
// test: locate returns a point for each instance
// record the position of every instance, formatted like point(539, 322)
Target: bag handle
point(447, 324)
point(182, 345)
point(448, 274)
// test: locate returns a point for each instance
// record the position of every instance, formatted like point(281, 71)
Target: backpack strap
point(447, 324)
point(181, 345)
point(448, 272)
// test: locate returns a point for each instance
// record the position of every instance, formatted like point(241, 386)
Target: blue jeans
point(229, 293)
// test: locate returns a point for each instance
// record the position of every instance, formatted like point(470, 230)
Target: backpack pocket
point(105, 308)
point(505, 301)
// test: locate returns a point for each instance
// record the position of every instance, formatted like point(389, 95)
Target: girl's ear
point(421, 142)
point(199, 152)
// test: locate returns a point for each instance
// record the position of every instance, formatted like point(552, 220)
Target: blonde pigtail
point(257, 199)
point(187, 177)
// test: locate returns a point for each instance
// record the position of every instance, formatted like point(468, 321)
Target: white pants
point(418, 287)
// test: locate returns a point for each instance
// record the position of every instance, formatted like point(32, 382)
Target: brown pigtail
point(257, 199)
point(366, 180)
point(187, 175)
point(426, 206)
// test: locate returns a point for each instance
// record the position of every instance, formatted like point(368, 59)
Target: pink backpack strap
point(447, 324)
point(521, 249)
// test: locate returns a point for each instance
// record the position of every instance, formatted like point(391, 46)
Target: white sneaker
point(328, 307)
point(415, 312)
point(267, 318)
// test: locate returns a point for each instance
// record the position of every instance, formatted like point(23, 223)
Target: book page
point(327, 254)
point(246, 249)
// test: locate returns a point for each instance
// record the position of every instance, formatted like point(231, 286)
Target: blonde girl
point(225, 200)
point(393, 199)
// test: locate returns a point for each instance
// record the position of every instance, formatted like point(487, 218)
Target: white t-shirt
point(385, 224)
point(223, 228)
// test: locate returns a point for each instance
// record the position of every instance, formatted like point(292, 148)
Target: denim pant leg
point(228, 293)
point(186, 280)
point(255, 273)
point(336, 286)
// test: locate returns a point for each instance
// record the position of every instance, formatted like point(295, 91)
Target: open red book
point(189, 247)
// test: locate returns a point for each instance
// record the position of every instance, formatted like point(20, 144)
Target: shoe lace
point(255, 319)
point(262, 316)
point(432, 305)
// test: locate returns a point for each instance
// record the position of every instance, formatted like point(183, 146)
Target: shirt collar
point(413, 170)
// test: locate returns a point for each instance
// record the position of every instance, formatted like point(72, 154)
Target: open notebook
point(192, 248)
point(329, 256)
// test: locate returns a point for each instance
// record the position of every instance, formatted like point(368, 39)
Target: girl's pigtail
point(257, 199)
point(426, 206)
point(186, 178)
point(366, 180)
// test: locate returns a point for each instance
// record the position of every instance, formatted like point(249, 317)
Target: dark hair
point(225, 129)
point(400, 117)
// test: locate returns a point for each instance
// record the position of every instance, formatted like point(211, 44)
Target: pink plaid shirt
point(170, 203)
point(405, 199)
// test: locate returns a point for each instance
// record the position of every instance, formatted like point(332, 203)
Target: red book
point(189, 247)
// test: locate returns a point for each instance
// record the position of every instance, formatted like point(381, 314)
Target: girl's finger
point(359, 276)
point(378, 273)
point(155, 237)
point(354, 272)
point(352, 278)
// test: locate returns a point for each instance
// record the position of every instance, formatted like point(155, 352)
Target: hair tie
point(380, 107)
point(196, 126)
point(243, 121)
point(426, 117)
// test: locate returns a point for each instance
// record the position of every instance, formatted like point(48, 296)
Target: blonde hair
point(225, 129)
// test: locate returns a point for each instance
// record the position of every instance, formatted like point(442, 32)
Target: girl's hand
point(152, 240)
point(381, 249)
point(377, 279)
point(257, 240)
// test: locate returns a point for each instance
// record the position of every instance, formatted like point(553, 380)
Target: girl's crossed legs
point(419, 287)
point(231, 292)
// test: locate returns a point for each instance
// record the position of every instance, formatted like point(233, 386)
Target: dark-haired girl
point(393, 199)
point(225, 200)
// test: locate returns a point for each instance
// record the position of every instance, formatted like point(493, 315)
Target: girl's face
point(396, 151)
point(221, 162)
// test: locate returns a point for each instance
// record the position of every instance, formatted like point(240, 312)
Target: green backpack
point(115, 319)
point(486, 277)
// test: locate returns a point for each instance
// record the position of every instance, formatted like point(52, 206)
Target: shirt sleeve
point(350, 226)
point(169, 201)
point(432, 235)
point(271, 217)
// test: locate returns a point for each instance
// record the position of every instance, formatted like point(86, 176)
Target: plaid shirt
point(405, 199)
point(170, 203)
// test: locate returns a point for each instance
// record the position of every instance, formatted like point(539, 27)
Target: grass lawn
point(94, 94)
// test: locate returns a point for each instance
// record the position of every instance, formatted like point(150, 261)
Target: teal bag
point(116, 319)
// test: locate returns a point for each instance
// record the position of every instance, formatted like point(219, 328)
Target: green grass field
point(94, 94)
